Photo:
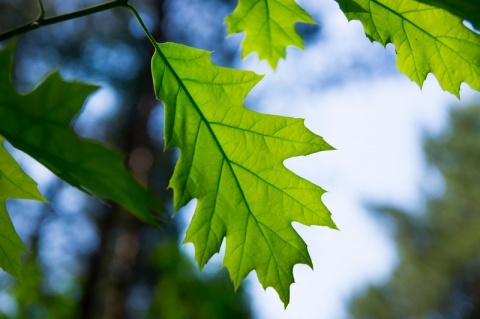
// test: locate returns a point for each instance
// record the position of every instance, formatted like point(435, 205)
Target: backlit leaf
point(427, 39)
point(465, 9)
point(231, 160)
point(269, 26)
point(14, 183)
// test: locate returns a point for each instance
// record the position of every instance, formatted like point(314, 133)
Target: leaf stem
point(41, 15)
point(41, 21)
point(144, 27)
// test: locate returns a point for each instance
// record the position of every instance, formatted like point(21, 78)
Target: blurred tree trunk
point(113, 266)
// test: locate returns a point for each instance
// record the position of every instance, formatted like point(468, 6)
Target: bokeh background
point(403, 183)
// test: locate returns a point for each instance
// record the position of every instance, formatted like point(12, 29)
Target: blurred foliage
point(438, 273)
point(180, 294)
point(32, 302)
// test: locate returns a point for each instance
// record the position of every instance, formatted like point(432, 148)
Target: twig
point(41, 21)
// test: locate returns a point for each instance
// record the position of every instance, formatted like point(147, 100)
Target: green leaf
point(14, 183)
point(269, 26)
point(38, 123)
point(427, 39)
point(231, 160)
point(465, 9)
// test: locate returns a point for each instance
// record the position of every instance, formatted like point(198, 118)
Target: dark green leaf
point(38, 123)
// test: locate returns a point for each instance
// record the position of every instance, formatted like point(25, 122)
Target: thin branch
point(41, 22)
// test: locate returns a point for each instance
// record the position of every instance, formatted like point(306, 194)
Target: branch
point(41, 21)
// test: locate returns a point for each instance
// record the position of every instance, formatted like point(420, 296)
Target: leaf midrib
point(402, 17)
point(32, 195)
point(273, 186)
point(224, 155)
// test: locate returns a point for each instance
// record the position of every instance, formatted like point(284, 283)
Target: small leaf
point(427, 39)
point(38, 123)
point(14, 183)
point(269, 26)
point(231, 160)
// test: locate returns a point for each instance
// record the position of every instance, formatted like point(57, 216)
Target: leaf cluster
point(231, 158)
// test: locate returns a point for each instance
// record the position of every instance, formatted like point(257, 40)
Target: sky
point(349, 92)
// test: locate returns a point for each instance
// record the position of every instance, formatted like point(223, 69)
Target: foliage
point(467, 9)
point(178, 293)
point(33, 306)
point(14, 183)
point(269, 26)
point(427, 39)
point(437, 275)
point(181, 295)
point(43, 131)
point(221, 143)
point(231, 157)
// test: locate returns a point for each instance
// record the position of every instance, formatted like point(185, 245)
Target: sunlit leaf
point(231, 160)
point(269, 26)
point(427, 39)
point(465, 9)
point(14, 183)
